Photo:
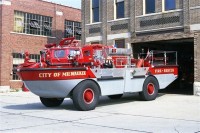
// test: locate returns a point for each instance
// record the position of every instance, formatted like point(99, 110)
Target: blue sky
point(72, 3)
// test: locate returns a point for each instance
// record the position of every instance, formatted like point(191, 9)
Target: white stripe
point(117, 36)
point(195, 27)
point(95, 38)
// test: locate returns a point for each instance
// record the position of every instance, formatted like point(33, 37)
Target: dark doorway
point(185, 49)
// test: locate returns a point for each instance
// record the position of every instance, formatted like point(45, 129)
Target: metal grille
point(94, 30)
point(119, 27)
point(160, 21)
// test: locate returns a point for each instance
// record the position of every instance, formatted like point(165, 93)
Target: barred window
point(95, 10)
point(119, 8)
point(120, 43)
point(170, 5)
point(19, 59)
point(150, 6)
point(73, 29)
point(32, 23)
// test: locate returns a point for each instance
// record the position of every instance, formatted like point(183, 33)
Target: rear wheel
point(150, 89)
point(86, 95)
point(51, 102)
point(118, 96)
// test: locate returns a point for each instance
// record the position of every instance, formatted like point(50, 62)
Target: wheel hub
point(88, 95)
point(150, 89)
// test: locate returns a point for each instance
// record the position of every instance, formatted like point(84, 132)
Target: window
point(119, 9)
point(32, 23)
point(170, 5)
point(18, 59)
point(149, 6)
point(95, 11)
point(95, 43)
point(59, 53)
point(120, 43)
point(73, 29)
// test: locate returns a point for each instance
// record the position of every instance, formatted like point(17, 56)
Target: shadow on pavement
point(68, 103)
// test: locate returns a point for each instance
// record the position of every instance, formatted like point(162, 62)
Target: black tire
point(51, 102)
point(85, 95)
point(118, 96)
point(150, 89)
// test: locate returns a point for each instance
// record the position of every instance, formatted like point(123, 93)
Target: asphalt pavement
point(170, 113)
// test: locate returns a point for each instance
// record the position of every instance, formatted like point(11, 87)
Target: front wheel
point(51, 102)
point(86, 95)
point(150, 89)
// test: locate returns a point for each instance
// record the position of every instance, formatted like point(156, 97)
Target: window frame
point(164, 6)
point(92, 12)
point(116, 2)
point(145, 7)
point(120, 39)
point(74, 26)
point(32, 24)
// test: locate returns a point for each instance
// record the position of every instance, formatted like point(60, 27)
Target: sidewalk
point(171, 113)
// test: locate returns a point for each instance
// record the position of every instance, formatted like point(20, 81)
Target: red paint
point(164, 70)
point(88, 95)
point(150, 88)
point(56, 74)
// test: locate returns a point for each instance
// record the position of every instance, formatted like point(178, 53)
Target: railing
point(149, 59)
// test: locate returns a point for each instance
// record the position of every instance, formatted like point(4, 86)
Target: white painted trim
point(121, 19)
point(153, 14)
point(118, 36)
point(94, 38)
point(31, 35)
point(196, 88)
point(144, 7)
point(5, 2)
point(15, 80)
point(176, 27)
point(59, 13)
point(91, 13)
point(195, 7)
point(195, 27)
point(93, 23)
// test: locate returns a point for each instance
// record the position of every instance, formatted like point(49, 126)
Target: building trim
point(194, 7)
point(167, 28)
point(118, 36)
point(5, 2)
point(31, 35)
point(159, 13)
point(59, 13)
point(195, 27)
point(196, 88)
point(93, 23)
point(121, 19)
point(94, 38)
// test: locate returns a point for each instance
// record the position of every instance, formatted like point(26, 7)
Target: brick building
point(149, 24)
point(29, 25)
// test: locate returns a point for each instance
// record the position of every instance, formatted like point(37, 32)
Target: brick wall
point(194, 11)
point(0, 38)
point(14, 42)
point(197, 56)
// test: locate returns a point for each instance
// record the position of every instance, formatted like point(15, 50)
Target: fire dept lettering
point(62, 74)
point(164, 70)
point(45, 75)
point(78, 73)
